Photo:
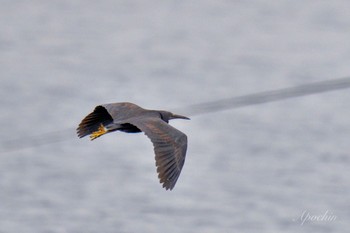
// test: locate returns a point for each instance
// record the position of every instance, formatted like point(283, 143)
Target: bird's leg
point(99, 132)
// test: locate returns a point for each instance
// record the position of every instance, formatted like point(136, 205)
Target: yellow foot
point(99, 132)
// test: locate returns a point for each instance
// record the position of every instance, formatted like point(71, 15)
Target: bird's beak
point(175, 116)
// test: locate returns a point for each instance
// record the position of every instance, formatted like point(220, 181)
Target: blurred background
point(261, 168)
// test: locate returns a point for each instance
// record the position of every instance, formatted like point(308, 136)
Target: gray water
point(275, 167)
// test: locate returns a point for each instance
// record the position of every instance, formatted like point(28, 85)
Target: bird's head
point(166, 116)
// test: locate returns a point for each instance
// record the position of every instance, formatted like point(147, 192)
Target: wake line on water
point(194, 110)
point(266, 96)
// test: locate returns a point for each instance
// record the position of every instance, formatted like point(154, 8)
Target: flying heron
point(169, 144)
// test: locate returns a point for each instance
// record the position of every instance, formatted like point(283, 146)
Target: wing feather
point(92, 121)
point(170, 147)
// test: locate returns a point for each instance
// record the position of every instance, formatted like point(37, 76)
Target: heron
point(169, 143)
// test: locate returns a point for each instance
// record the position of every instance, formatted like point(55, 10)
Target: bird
point(170, 144)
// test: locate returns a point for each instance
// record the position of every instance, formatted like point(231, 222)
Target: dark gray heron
point(170, 144)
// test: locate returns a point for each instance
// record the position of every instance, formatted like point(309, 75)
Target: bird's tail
point(94, 123)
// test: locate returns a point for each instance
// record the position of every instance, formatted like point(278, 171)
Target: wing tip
point(168, 186)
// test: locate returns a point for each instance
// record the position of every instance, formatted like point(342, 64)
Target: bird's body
point(170, 144)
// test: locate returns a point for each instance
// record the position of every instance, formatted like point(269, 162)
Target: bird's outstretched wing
point(170, 147)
